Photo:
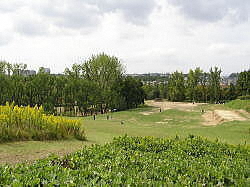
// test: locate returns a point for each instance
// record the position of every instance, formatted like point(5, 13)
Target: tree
point(104, 71)
point(204, 86)
point(214, 87)
point(132, 92)
point(193, 82)
point(96, 85)
point(243, 83)
point(230, 93)
point(176, 87)
point(2, 67)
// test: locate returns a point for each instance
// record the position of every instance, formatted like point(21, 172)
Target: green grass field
point(169, 123)
point(165, 124)
point(239, 104)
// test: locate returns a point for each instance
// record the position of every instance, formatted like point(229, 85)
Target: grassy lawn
point(168, 123)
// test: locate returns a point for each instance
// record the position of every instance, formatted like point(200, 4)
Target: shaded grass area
point(169, 123)
point(28, 151)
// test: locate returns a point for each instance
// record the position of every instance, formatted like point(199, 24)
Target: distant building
point(28, 72)
point(44, 70)
point(231, 79)
point(47, 70)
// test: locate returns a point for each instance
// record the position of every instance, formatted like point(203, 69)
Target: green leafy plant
point(139, 161)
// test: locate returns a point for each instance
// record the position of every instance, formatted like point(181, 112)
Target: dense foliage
point(198, 86)
point(27, 123)
point(139, 161)
point(96, 85)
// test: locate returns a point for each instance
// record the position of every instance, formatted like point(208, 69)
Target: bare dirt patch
point(244, 113)
point(28, 151)
point(219, 116)
point(161, 122)
point(166, 105)
point(146, 113)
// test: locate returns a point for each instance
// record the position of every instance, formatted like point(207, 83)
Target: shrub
point(138, 161)
point(27, 123)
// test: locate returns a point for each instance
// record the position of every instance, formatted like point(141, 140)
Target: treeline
point(199, 86)
point(97, 85)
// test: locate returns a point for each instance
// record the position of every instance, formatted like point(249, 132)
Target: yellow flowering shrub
point(30, 123)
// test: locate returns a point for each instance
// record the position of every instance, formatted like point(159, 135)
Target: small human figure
point(122, 123)
point(94, 116)
point(107, 117)
point(160, 109)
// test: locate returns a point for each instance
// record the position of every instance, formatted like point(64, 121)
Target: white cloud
point(214, 10)
point(148, 35)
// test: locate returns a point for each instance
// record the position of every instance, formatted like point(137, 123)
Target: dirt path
point(219, 116)
point(211, 118)
point(166, 105)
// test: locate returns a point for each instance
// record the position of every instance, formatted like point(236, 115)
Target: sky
point(146, 35)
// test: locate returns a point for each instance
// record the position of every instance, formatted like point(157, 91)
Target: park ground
point(159, 119)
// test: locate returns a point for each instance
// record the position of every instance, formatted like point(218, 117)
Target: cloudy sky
point(146, 35)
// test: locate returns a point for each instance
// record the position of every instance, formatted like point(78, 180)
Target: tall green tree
point(193, 82)
point(176, 87)
point(132, 92)
point(104, 71)
point(243, 83)
point(230, 93)
point(214, 87)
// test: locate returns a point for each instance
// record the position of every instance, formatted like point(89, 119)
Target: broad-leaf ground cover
point(192, 161)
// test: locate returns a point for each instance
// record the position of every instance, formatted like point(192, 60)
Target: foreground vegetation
point(27, 123)
point(133, 160)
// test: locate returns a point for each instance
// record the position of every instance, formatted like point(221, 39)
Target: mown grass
point(239, 104)
point(165, 124)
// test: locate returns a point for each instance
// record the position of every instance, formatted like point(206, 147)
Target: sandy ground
point(219, 116)
point(166, 105)
point(211, 118)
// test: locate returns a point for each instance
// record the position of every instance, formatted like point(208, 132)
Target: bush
point(137, 161)
point(27, 123)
